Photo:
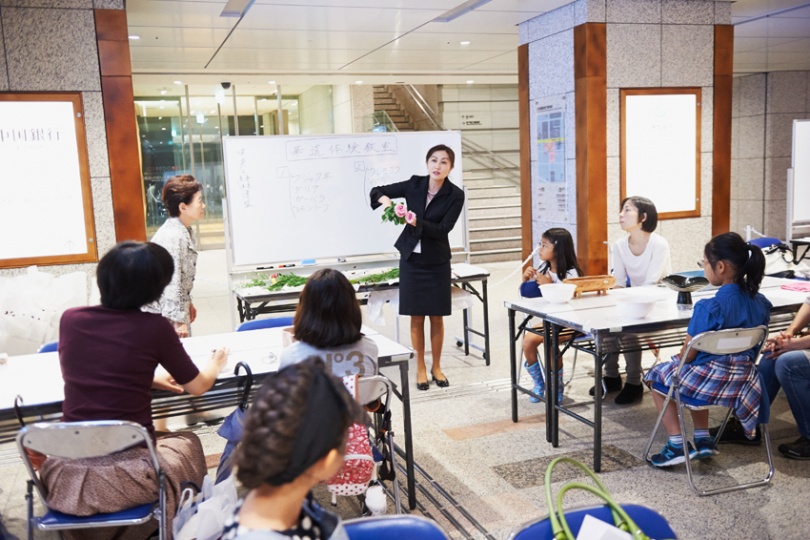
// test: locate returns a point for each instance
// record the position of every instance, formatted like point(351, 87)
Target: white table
point(37, 379)
point(599, 317)
point(253, 302)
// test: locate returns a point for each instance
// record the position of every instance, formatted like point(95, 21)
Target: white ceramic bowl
point(635, 307)
point(558, 293)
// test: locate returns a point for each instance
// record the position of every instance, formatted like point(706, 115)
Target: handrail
point(499, 166)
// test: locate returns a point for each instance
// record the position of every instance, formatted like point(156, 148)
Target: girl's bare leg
point(418, 344)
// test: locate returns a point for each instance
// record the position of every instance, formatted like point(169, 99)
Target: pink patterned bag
point(358, 463)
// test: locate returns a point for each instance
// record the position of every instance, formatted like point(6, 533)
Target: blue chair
point(80, 440)
point(258, 324)
point(651, 522)
point(394, 527)
point(51, 346)
point(719, 342)
point(765, 242)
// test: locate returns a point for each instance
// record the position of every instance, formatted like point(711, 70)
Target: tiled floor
point(481, 464)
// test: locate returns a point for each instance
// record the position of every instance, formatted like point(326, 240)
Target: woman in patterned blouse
point(182, 196)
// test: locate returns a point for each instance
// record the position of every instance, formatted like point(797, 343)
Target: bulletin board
point(660, 148)
point(46, 211)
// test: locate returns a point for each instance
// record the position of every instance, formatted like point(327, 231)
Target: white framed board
point(46, 211)
point(297, 198)
point(660, 148)
point(799, 196)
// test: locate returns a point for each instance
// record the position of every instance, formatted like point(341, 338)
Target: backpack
point(358, 463)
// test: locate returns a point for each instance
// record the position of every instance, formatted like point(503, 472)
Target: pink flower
point(410, 217)
point(400, 210)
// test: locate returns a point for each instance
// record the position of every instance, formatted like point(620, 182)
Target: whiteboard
point(45, 206)
point(800, 202)
point(294, 198)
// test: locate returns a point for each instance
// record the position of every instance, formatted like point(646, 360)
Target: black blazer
point(433, 224)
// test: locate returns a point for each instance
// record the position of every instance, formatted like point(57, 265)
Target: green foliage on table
point(281, 281)
point(378, 277)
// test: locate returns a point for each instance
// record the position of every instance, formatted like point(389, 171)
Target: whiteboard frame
point(629, 146)
point(91, 251)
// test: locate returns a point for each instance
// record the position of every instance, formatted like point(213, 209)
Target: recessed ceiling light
point(133, 36)
point(163, 129)
point(178, 82)
point(470, 82)
point(358, 82)
point(271, 82)
point(163, 92)
point(464, 42)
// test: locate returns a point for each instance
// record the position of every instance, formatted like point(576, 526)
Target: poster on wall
point(551, 197)
point(660, 148)
point(45, 208)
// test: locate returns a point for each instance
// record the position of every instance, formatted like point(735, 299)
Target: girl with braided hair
point(295, 438)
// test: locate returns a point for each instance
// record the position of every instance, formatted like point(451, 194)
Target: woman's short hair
point(133, 274)
point(179, 189)
point(328, 313)
point(275, 418)
point(442, 148)
point(644, 206)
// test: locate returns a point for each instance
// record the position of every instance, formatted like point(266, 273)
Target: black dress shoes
point(441, 383)
point(630, 394)
point(422, 385)
point(613, 384)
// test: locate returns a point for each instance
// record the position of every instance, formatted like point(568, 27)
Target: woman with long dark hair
point(434, 205)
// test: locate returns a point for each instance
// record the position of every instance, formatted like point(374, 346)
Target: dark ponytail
point(747, 260)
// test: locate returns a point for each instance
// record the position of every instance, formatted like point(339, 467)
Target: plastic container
point(558, 293)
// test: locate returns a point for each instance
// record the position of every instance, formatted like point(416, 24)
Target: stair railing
point(498, 166)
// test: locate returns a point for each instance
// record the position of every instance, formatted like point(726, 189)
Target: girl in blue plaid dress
point(737, 268)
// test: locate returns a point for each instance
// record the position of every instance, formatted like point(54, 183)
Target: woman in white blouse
point(640, 258)
point(182, 196)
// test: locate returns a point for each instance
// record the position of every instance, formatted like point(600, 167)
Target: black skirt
point(424, 289)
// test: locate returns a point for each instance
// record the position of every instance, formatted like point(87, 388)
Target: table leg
point(597, 405)
point(513, 362)
point(241, 309)
point(551, 385)
point(486, 321)
point(550, 428)
point(406, 421)
point(466, 330)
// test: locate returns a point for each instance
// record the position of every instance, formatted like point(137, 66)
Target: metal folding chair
point(651, 522)
point(720, 342)
point(378, 389)
point(80, 440)
point(272, 322)
point(397, 527)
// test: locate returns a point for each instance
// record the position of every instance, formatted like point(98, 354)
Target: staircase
point(493, 193)
point(385, 101)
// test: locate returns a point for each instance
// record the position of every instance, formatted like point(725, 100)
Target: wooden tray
point(598, 284)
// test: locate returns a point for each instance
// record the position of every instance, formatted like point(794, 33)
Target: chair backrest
point(51, 346)
point(651, 522)
point(730, 341)
point(374, 387)
point(394, 527)
point(765, 241)
point(257, 324)
point(78, 440)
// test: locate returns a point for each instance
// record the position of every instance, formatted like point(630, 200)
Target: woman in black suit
point(424, 247)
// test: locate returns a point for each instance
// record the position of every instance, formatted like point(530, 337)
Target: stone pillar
point(580, 56)
point(49, 49)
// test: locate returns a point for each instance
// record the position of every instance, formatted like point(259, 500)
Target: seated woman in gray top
point(327, 324)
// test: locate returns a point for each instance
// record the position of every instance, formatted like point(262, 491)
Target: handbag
point(530, 289)
point(557, 516)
